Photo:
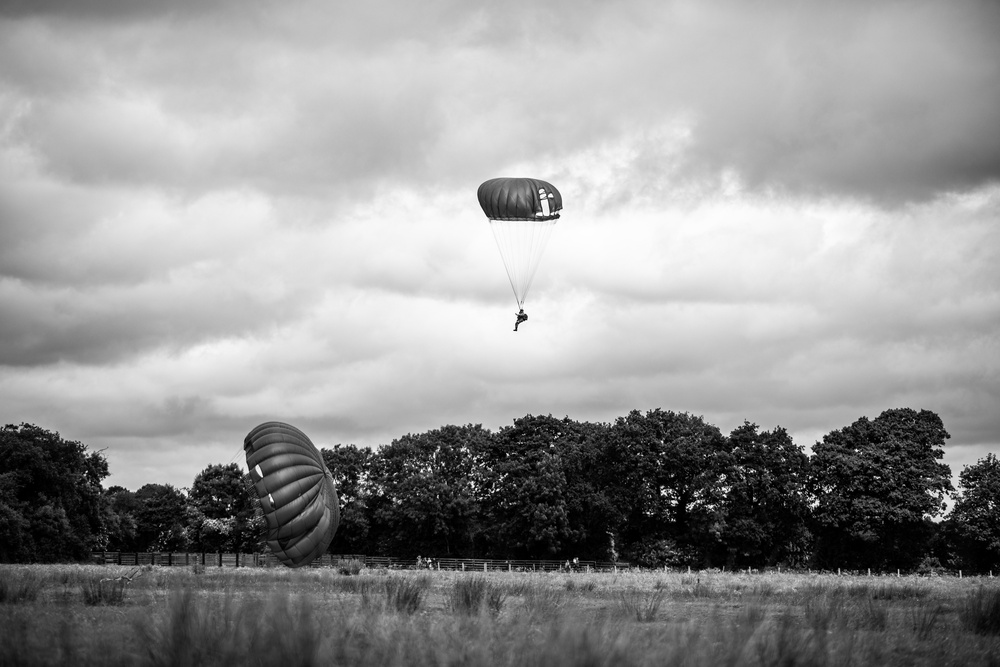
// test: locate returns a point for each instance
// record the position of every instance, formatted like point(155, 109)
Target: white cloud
point(225, 215)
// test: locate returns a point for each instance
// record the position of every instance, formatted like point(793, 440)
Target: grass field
point(95, 615)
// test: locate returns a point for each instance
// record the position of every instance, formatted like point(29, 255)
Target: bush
point(643, 606)
point(110, 590)
point(105, 591)
point(350, 567)
point(653, 553)
point(393, 593)
point(403, 594)
point(470, 595)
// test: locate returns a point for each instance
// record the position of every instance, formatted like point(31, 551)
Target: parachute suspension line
point(237, 458)
point(521, 244)
point(505, 251)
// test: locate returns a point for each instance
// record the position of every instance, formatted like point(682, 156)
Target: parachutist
point(521, 317)
point(522, 213)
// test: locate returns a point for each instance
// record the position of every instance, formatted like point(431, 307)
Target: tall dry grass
point(181, 616)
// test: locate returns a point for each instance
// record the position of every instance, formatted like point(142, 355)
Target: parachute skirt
point(296, 492)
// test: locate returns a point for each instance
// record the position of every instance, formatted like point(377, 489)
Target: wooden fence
point(336, 560)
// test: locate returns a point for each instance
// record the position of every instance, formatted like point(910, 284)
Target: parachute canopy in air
point(296, 492)
point(522, 213)
point(525, 199)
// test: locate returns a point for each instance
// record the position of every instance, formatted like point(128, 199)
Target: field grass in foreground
point(96, 615)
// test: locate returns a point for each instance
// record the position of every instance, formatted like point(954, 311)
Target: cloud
point(890, 102)
point(99, 10)
point(225, 213)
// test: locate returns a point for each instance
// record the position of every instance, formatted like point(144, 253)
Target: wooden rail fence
point(336, 560)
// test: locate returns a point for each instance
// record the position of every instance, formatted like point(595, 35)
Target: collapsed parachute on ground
point(522, 213)
point(296, 492)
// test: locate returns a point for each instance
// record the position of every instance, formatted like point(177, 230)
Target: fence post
point(484, 567)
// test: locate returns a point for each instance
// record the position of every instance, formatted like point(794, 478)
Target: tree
point(220, 511)
point(16, 543)
point(351, 467)
point(120, 528)
point(976, 515)
point(544, 491)
point(876, 485)
point(766, 508)
point(594, 519)
point(160, 518)
point(525, 514)
point(50, 491)
point(674, 492)
point(423, 498)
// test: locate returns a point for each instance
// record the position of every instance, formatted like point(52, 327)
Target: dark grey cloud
point(102, 10)
point(890, 103)
point(109, 326)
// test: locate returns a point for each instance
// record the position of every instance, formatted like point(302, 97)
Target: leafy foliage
point(976, 515)
point(876, 484)
point(50, 490)
point(220, 513)
point(423, 492)
point(766, 507)
point(676, 488)
point(160, 517)
point(351, 468)
point(664, 488)
point(544, 490)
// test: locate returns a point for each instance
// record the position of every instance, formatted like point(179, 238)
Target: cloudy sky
point(216, 213)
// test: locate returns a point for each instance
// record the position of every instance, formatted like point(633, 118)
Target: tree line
point(659, 488)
